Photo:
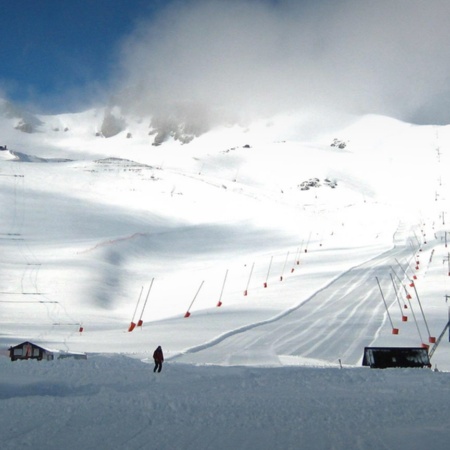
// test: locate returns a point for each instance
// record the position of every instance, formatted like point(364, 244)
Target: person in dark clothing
point(158, 358)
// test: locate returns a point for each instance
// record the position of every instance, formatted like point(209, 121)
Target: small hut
point(28, 350)
point(384, 357)
point(74, 355)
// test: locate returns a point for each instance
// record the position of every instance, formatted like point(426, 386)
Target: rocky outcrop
point(113, 123)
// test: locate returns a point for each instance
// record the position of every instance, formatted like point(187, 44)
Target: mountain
point(316, 240)
point(94, 219)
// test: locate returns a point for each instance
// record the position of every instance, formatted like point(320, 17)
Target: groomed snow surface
point(94, 229)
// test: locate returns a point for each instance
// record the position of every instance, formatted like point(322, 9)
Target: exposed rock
point(112, 124)
point(315, 183)
point(185, 124)
point(24, 126)
point(27, 123)
point(338, 143)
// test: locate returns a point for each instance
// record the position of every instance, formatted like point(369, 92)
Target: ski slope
point(84, 236)
point(305, 279)
point(336, 320)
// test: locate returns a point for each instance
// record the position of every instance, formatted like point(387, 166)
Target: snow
point(89, 225)
point(117, 402)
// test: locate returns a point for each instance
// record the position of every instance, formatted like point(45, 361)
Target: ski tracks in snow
point(328, 326)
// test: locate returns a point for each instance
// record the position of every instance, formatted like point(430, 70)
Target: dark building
point(384, 357)
point(28, 350)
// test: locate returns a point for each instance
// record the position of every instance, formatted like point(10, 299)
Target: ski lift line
point(423, 314)
point(296, 259)
point(28, 301)
point(32, 275)
point(132, 323)
point(411, 307)
point(249, 278)
point(15, 221)
point(396, 275)
point(396, 296)
point(137, 304)
point(219, 303)
point(145, 302)
point(66, 324)
point(268, 271)
point(307, 242)
point(433, 349)
point(403, 270)
point(29, 257)
point(23, 293)
point(193, 300)
point(61, 305)
point(301, 246)
point(297, 252)
point(385, 304)
point(411, 281)
point(284, 266)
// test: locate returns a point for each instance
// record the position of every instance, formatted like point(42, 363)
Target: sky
point(220, 61)
point(53, 52)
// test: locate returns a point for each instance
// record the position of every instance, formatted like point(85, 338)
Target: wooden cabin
point(28, 350)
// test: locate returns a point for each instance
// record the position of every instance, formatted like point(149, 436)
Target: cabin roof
point(32, 344)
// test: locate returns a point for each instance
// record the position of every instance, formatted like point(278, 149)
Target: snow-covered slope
point(88, 222)
point(298, 240)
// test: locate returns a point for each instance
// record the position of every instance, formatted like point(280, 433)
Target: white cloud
point(236, 59)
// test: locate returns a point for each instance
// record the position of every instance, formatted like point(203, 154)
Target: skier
point(158, 358)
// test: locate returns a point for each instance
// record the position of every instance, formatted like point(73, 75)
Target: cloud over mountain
point(226, 61)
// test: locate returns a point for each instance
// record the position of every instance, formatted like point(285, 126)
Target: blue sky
point(52, 49)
